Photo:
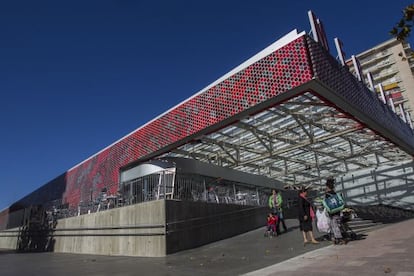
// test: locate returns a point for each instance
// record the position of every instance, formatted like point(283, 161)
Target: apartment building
point(391, 64)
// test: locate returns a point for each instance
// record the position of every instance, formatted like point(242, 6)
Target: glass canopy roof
point(300, 141)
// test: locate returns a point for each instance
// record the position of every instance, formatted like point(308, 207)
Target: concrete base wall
point(8, 238)
point(150, 229)
point(192, 224)
point(136, 230)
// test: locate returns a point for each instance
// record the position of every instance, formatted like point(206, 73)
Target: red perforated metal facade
point(276, 73)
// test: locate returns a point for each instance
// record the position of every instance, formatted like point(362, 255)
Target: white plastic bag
point(322, 221)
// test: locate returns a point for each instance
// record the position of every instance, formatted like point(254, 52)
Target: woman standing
point(306, 216)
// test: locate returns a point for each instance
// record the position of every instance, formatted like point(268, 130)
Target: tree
point(402, 29)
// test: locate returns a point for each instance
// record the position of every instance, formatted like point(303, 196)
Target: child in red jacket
point(271, 225)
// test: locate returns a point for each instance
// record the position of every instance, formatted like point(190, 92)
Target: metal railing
point(167, 185)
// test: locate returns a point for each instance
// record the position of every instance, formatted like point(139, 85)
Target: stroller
point(348, 234)
point(347, 215)
point(271, 225)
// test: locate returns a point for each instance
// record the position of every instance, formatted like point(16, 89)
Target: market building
point(291, 115)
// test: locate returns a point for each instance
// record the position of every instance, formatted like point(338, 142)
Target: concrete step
point(360, 225)
point(368, 229)
point(383, 213)
point(361, 222)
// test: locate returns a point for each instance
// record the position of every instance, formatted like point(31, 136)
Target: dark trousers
point(280, 220)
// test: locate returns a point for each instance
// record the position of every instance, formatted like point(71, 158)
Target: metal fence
point(169, 185)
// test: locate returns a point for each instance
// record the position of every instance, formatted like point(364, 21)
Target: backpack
point(334, 203)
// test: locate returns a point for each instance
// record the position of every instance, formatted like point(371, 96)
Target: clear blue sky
point(75, 76)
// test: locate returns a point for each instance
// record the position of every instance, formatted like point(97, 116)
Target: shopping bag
point(322, 221)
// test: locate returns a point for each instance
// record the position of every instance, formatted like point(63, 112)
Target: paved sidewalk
point(385, 251)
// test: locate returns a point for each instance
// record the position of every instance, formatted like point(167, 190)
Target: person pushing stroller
point(334, 204)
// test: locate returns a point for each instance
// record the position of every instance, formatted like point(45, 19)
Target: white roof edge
point(286, 39)
point(265, 52)
point(378, 46)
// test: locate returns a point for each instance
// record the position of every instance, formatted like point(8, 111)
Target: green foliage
point(402, 29)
